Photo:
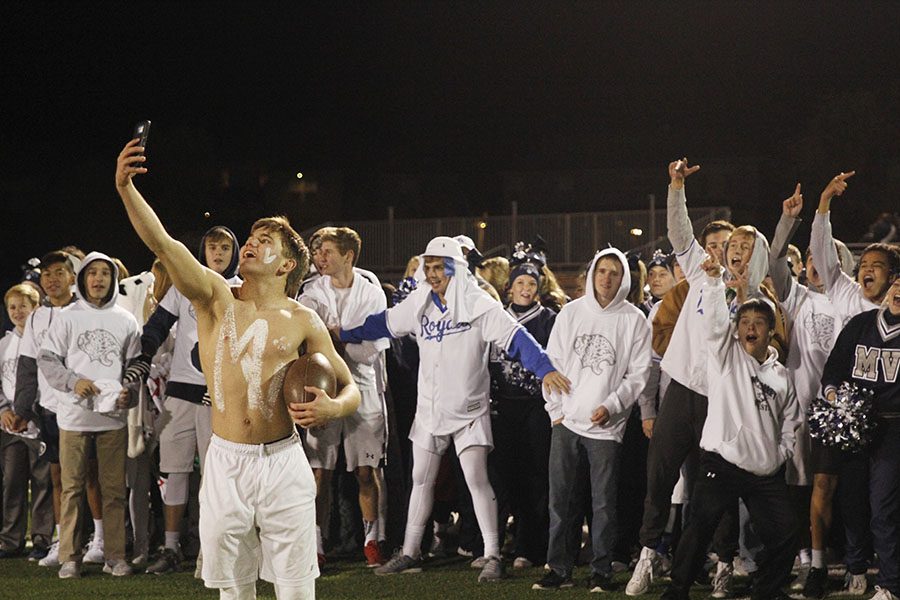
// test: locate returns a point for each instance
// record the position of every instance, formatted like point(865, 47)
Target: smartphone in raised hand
point(142, 131)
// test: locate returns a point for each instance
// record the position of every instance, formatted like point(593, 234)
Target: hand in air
point(679, 171)
point(129, 163)
point(316, 413)
point(556, 382)
point(793, 205)
point(837, 186)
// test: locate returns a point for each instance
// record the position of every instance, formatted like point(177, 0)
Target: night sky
point(805, 89)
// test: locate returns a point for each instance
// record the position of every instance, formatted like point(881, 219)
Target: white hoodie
point(685, 358)
point(753, 410)
point(348, 308)
point(89, 342)
point(605, 352)
point(844, 292)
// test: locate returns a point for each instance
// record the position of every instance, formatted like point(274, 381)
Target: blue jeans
point(603, 461)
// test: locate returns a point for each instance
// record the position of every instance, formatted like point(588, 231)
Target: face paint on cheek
point(269, 257)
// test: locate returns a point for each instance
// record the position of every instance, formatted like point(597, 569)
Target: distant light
point(299, 175)
point(637, 231)
point(482, 225)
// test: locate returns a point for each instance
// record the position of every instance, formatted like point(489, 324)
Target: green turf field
point(443, 578)
point(348, 579)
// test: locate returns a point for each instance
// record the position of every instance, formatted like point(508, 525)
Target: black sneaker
point(38, 552)
point(601, 583)
point(169, 561)
point(816, 583)
point(553, 581)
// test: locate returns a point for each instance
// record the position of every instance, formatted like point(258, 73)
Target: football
point(310, 369)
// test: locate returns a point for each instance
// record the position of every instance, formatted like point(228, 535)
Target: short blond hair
point(24, 290)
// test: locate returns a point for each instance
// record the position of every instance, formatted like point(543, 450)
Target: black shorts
point(50, 436)
point(829, 460)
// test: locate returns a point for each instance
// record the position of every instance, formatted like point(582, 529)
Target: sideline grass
point(443, 579)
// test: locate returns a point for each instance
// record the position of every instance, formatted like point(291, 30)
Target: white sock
point(379, 526)
point(491, 544)
point(98, 530)
point(805, 556)
point(172, 540)
point(371, 530)
point(320, 548)
point(413, 540)
point(818, 559)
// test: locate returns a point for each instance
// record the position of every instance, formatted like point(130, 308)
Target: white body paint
point(269, 257)
point(254, 342)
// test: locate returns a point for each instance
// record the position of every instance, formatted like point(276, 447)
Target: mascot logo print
point(100, 345)
point(8, 370)
point(820, 328)
point(595, 350)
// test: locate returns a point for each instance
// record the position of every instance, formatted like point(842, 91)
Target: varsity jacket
point(867, 353)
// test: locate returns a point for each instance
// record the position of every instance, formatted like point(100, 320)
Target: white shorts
point(476, 433)
point(184, 431)
point(364, 439)
point(268, 487)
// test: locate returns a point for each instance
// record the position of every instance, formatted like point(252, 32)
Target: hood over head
point(758, 267)
point(112, 295)
point(624, 287)
point(465, 300)
point(845, 257)
point(231, 270)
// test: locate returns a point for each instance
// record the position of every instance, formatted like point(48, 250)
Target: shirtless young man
point(256, 474)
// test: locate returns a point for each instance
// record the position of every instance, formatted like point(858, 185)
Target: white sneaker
point(94, 552)
point(722, 580)
point(856, 585)
point(139, 562)
point(70, 570)
point(883, 594)
point(644, 572)
point(52, 558)
point(118, 568)
point(522, 563)
point(198, 568)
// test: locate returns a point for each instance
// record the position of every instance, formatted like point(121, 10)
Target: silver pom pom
point(846, 423)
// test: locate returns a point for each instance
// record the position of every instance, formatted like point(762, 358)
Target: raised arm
point(189, 276)
point(787, 225)
point(821, 240)
point(324, 409)
point(716, 316)
point(681, 232)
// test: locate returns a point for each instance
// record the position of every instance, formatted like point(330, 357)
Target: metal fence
point(572, 238)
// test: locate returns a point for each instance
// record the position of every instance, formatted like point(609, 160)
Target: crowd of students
point(685, 379)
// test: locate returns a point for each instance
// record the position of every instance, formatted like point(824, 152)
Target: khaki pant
point(111, 450)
